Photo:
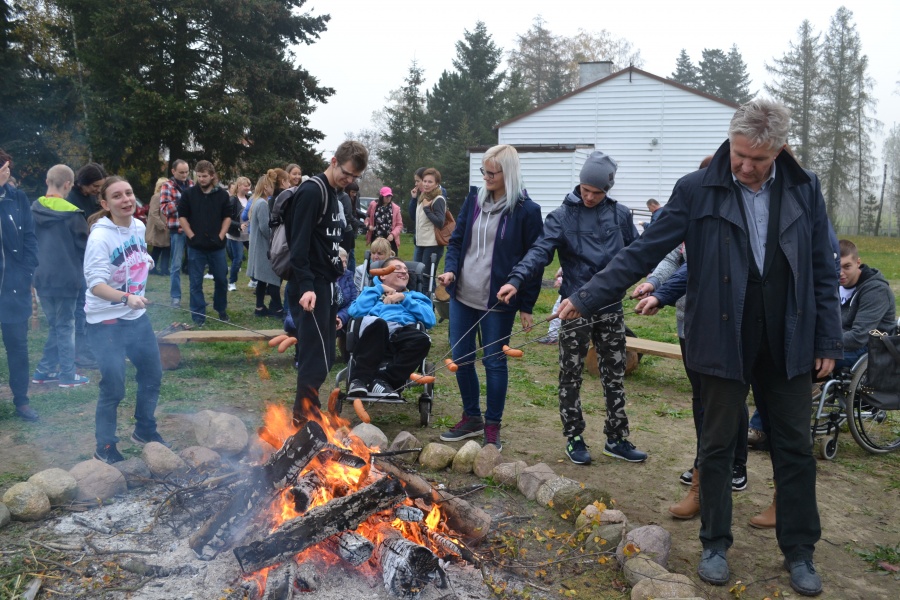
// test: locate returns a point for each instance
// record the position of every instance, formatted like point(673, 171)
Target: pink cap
point(386, 191)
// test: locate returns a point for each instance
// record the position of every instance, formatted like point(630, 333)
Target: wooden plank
point(655, 348)
point(224, 335)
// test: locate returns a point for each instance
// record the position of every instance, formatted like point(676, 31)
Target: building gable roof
point(628, 70)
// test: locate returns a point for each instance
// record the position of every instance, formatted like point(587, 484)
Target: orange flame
point(263, 372)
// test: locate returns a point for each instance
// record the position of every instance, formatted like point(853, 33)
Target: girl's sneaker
point(76, 381)
point(39, 377)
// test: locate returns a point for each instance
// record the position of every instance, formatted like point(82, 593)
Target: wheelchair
point(872, 416)
point(421, 279)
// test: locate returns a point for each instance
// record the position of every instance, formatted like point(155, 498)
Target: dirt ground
point(858, 493)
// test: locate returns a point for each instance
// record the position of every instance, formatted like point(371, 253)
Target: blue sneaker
point(39, 377)
point(74, 382)
point(625, 450)
point(577, 451)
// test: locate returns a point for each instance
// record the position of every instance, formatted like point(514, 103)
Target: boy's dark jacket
point(586, 238)
point(62, 235)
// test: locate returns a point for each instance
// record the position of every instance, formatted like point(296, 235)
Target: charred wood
point(406, 567)
point(410, 514)
point(320, 523)
point(352, 547)
point(305, 491)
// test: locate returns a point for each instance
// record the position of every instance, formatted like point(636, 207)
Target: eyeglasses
point(489, 174)
point(350, 175)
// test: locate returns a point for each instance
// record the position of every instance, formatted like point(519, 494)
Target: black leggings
point(274, 291)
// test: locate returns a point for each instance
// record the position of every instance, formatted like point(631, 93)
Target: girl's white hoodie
point(118, 257)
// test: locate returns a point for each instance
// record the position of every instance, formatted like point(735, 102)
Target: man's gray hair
point(764, 122)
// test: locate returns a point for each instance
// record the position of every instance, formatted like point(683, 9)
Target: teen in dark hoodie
point(314, 230)
point(62, 234)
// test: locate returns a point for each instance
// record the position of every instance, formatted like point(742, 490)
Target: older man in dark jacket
point(762, 305)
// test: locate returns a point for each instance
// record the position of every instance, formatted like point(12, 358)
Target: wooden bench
point(635, 346)
point(170, 354)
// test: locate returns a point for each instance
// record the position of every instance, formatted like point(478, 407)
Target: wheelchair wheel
point(429, 387)
point(826, 447)
point(876, 430)
point(424, 410)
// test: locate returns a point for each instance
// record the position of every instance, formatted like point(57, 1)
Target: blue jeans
point(495, 329)
point(424, 254)
point(177, 242)
point(15, 339)
point(236, 251)
point(197, 261)
point(351, 260)
point(59, 350)
point(112, 343)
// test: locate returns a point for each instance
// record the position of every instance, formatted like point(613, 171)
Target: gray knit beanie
point(599, 171)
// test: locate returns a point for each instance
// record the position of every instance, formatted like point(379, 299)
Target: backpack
point(279, 252)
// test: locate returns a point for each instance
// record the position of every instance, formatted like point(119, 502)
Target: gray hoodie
point(870, 307)
point(118, 257)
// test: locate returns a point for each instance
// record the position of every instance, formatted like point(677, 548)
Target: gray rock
point(570, 498)
point(406, 441)
point(224, 433)
point(613, 516)
point(5, 517)
point(464, 460)
point(488, 458)
point(533, 477)
point(371, 436)
point(26, 502)
point(653, 542)
point(549, 488)
point(604, 538)
point(201, 458)
point(161, 461)
point(670, 585)
point(437, 456)
point(639, 567)
point(508, 473)
point(59, 486)
point(136, 472)
point(98, 480)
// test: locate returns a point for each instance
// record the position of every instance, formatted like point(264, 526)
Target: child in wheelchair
point(392, 342)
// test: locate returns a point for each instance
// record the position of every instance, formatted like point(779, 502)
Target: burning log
point(341, 456)
point(406, 567)
point(410, 514)
point(320, 523)
point(290, 581)
point(305, 491)
point(352, 547)
point(280, 470)
point(469, 521)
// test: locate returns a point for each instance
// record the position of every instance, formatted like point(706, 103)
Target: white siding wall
point(622, 117)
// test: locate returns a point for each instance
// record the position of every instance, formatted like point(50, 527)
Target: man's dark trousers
point(786, 405)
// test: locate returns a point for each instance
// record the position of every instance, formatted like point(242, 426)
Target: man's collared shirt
point(756, 208)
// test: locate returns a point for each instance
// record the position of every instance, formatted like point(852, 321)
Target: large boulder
point(98, 480)
point(570, 498)
point(464, 460)
point(371, 436)
point(488, 457)
point(26, 502)
point(604, 538)
point(652, 540)
point(60, 487)
point(161, 460)
point(5, 517)
point(224, 433)
point(437, 456)
point(508, 473)
point(201, 458)
point(533, 477)
point(669, 585)
point(406, 441)
point(549, 489)
point(136, 472)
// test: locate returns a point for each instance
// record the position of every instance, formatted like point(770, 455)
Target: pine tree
point(712, 67)
point(686, 71)
point(836, 124)
point(540, 60)
point(407, 143)
point(798, 85)
point(736, 80)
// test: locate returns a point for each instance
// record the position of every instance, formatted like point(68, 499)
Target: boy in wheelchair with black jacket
point(392, 341)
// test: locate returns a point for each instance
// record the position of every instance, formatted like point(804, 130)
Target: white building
point(656, 129)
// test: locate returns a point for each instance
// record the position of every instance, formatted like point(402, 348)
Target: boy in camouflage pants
point(587, 230)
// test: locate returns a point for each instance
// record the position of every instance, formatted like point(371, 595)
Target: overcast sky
point(369, 45)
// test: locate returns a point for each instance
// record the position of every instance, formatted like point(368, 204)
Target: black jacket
point(62, 237)
point(205, 213)
point(313, 228)
point(18, 255)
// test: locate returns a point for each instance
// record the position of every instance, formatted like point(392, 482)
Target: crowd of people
point(771, 300)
